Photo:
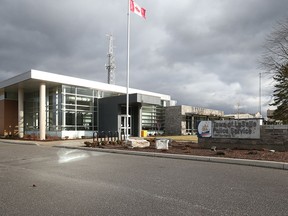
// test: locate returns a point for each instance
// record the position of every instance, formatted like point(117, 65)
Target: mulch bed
point(190, 148)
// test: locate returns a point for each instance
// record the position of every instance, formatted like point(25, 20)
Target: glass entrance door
point(122, 122)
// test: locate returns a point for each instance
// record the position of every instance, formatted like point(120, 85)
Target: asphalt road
point(37, 180)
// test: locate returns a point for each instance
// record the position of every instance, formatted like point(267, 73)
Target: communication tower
point(110, 66)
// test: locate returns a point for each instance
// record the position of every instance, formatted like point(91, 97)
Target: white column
point(63, 110)
point(42, 111)
point(56, 107)
point(20, 112)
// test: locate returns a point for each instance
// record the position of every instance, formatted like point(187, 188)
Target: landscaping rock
point(138, 143)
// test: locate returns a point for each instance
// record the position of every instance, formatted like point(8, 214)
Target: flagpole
point(128, 72)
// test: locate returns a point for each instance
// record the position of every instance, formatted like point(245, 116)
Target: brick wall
point(8, 117)
point(2, 115)
point(173, 119)
point(271, 137)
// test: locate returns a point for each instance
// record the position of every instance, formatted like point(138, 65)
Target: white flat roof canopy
point(31, 79)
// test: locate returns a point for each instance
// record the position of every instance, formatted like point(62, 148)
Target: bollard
point(95, 134)
point(103, 136)
point(110, 136)
point(115, 136)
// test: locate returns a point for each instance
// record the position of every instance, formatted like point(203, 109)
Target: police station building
point(46, 104)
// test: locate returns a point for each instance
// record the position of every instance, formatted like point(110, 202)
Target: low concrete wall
point(271, 137)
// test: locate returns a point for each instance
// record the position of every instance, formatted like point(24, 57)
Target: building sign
point(241, 129)
point(204, 129)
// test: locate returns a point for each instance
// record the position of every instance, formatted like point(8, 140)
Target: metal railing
point(107, 136)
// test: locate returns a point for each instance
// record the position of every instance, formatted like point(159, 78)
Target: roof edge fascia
point(16, 79)
point(68, 80)
point(52, 77)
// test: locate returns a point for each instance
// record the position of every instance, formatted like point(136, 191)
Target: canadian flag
point(135, 8)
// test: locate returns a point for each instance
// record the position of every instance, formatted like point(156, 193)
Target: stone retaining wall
point(271, 137)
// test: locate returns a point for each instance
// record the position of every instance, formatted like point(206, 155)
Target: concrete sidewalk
point(79, 144)
point(58, 143)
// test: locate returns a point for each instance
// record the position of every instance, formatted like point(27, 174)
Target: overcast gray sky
point(201, 52)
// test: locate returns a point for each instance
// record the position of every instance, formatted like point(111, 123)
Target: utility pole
point(260, 94)
point(238, 109)
point(111, 62)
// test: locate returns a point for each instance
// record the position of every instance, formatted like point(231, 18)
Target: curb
point(18, 143)
point(244, 162)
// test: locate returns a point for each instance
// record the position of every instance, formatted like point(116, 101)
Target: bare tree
point(276, 49)
point(275, 62)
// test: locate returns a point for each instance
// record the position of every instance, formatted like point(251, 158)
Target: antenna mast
point(110, 67)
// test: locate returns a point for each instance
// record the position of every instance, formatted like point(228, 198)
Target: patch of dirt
point(190, 148)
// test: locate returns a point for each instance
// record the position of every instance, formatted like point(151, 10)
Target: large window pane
point(69, 89)
point(84, 91)
point(79, 108)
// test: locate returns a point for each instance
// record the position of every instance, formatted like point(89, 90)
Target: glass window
point(189, 124)
point(67, 108)
point(31, 111)
point(70, 99)
point(70, 118)
point(152, 118)
point(84, 91)
point(80, 109)
point(69, 89)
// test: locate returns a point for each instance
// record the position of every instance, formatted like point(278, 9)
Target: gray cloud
point(202, 53)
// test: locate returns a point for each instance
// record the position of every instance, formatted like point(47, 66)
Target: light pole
point(260, 75)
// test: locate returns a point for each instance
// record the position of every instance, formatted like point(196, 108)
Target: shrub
point(220, 153)
point(88, 144)
point(104, 142)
